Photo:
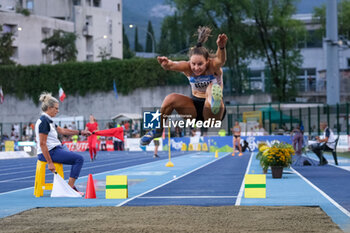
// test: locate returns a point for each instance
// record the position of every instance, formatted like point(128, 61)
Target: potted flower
point(278, 156)
point(263, 162)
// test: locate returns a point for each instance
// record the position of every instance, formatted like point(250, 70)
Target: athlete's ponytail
point(203, 34)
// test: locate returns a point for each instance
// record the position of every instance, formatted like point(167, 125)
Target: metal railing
point(282, 118)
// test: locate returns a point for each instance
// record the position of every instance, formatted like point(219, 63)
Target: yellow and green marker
point(255, 186)
point(116, 187)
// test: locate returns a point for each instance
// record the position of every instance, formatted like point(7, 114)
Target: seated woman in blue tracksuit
point(49, 147)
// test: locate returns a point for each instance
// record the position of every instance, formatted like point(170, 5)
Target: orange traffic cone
point(90, 188)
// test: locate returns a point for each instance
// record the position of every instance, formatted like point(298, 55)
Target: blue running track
point(197, 178)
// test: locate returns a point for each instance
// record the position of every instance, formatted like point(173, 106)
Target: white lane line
point(104, 161)
point(342, 209)
point(240, 194)
point(186, 197)
point(84, 168)
point(159, 186)
point(116, 170)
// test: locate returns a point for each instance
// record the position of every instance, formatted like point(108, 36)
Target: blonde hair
point(47, 101)
point(203, 34)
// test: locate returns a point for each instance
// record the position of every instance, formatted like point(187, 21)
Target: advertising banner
point(222, 144)
point(9, 146)
point(133, 144)
point(84, 146)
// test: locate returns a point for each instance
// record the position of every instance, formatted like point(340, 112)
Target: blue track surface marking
point(20, 173)
point(150, 175)
point(215, 184)
point(338, 213)
point(197, 178)
point(335, 182)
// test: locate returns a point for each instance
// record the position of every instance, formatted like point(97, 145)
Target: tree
point(278, 35)
point(62, 45)
point(164, 41)
point(127, 53)
point(222, 16)
point(173, 38)
point(343, 18)
point(138, 46)
point(149, 38)
point(6, 49)
point(259, 29)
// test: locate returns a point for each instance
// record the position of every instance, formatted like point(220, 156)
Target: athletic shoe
point(81, 193)
point(216, 97)
point(155, 156)
point(240, 154)
point(233, 154)
point(149, 136)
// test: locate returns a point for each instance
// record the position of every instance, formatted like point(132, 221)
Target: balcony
point(87, 30)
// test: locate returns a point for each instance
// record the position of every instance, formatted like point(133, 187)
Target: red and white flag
point(113, 132)
point(61, 94)
point(1, 96)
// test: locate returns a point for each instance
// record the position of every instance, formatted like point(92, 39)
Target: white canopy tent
point(127, 116)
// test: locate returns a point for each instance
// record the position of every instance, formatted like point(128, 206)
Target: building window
point(90, 57)
point(110, 27)
point(118, 6)
point(348, 61)
point(7, 28)
point(111, 47)
point(30, 4)
point(313, 39)
point(15, 53)
point(96, 3)
point(11, 28)
point(76, 2)
point(88, 21)
point(45, 32)
point(47, 58)
point(89, 45)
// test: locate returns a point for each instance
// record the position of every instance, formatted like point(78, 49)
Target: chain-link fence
point(275, 119)
point(282, 118)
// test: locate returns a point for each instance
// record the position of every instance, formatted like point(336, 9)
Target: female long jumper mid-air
point(204, 73)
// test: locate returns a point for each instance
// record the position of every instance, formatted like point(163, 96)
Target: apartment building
point(97, 24)
point(311, 83)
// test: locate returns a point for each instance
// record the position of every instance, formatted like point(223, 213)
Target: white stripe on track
point(84, 168)
point(135, 166)
point(240, 194)
point(342, 209)
point(86, 161)
point(168, 182)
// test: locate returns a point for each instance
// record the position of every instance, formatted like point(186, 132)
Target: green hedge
point(79, 78)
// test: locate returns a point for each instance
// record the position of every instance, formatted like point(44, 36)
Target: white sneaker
point(216, 93)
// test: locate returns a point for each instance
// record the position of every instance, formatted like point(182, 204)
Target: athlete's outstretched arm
point(220, 59)
point(167, 64)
